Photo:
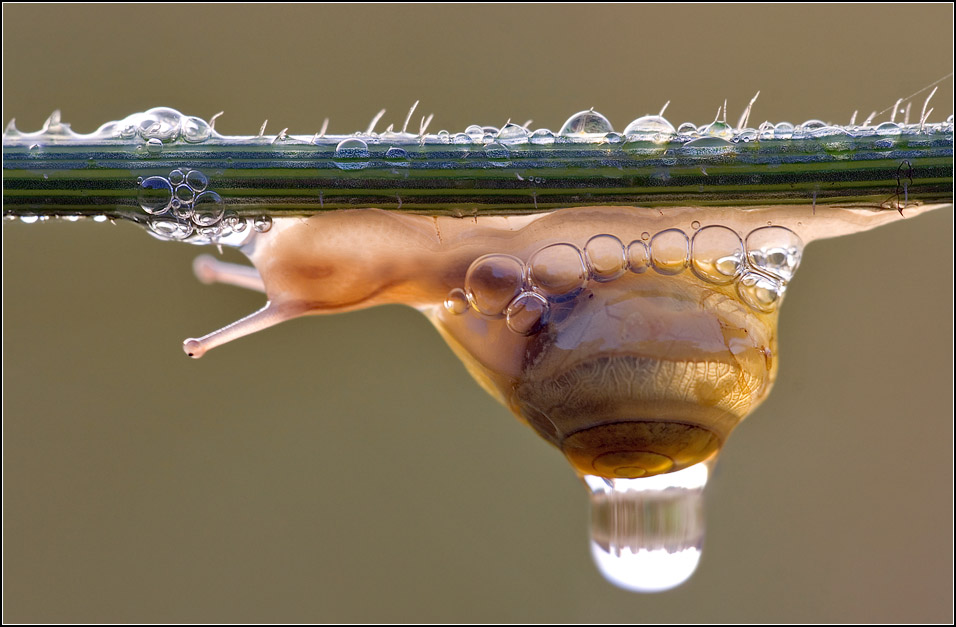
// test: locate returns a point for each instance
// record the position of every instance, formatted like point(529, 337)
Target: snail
point(631, 341)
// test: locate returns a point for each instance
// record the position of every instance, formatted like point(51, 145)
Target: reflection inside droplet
point(647, 534)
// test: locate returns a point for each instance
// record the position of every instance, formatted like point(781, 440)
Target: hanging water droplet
point(647, 533)
point(155, 194)
point(29, 218)
point(584, 123)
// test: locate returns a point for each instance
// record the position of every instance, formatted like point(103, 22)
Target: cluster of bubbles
point(162, 125)
point(181, 208)
point(498, 285)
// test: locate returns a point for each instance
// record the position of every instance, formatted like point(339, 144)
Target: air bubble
point(169, 229)
point(645, 236)
point(638, 257)
point(196, 130)
point(349, 149)
point(262, 224)
point(606, 257)
point(184, 193)
point(456, 302)
point(232, 221)
point(669, 251)
point(155, 193)
point(183, 211)
point(208, 209)
point(653, 128)
point(695, 225)
point(760, 291)
point(176, 177)
point(100, 218)
point(492, 281)
point(197, 180)
point(29, 218)
point(776, 250)
point(527, 313)
point(558, 270)
point(154, 146)
point(584, 123)
point(717, 254)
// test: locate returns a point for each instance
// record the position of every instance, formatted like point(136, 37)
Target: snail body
point(632, 340)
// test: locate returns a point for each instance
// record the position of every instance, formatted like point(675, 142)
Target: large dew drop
point(586, 123)
point(647, 534)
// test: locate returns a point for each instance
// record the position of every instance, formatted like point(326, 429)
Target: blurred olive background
point(346, 468)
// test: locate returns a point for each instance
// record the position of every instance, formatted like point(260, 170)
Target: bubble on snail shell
point(559, 271)
point(456, 302)
point(527, 313)
point(717, 254)
point(670, 251)
point(638, 257)
point(492, 282)
point(606, 257)
point(775, 249)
